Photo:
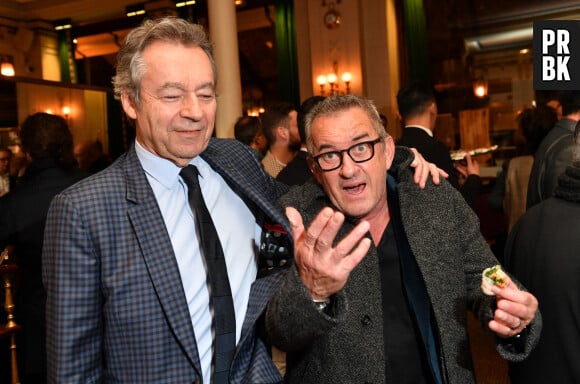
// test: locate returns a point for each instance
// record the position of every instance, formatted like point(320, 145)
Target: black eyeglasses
point(359, 153)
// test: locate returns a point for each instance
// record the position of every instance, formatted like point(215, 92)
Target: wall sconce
point(7, 69)
point(65, 112)
point(332, 80)
point(321, 80)
point(480, 88)
point(346, 78)
point(255, 111)
point(6, 66)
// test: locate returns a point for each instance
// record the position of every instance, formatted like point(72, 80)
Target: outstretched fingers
point(353, 248)
point(323, 267)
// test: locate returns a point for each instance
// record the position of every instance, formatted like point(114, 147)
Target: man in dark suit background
point(48, 143)
point(297, 171)
point(555, 152)
point(126, 285)
point(7, 181)
point(418, 111)
point(248, 130)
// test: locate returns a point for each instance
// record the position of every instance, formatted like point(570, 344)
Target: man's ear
point(389, 151)
point(311, 164)
point(433, 108)
point(314, 169)
point(283, 133)
point(129, 106)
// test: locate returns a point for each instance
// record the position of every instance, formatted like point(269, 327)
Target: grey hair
point(131, 67)
point(339, 103)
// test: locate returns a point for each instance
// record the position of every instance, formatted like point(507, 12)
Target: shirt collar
point(429, 132)
point(164, 171)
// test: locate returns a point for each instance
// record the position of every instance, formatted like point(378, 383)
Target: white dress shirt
point(237, 229)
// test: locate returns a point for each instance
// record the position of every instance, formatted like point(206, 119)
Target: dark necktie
point(220, 295)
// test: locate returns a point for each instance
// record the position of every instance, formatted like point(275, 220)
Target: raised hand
point(324, 269)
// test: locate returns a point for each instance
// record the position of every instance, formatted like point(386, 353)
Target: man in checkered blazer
point(127, 301)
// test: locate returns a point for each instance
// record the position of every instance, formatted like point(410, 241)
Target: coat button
point(366, 320)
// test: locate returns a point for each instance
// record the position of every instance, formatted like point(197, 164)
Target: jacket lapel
point(159, 258)
point(247, 183)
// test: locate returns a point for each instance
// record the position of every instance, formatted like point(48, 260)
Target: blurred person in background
point(90, 156)
point(47, 142)
point(280, 126)
point(542, 252)
point(509, 193)
point(417, 109)
point(248, 130)
point(555, 152)
point(297, 171)
point(7, 181)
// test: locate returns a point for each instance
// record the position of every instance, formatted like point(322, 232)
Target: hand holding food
point(493, 276)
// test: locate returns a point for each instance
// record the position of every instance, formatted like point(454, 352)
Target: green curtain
point(286, 51)
point(416, 39)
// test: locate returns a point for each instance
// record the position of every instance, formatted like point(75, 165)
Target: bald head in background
point(90, 157)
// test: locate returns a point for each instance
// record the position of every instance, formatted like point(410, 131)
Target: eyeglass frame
point(341, 152)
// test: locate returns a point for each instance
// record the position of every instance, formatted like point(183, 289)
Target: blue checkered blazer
point(116, 310)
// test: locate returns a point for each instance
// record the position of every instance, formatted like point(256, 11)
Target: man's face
point(260, 142)
point(356, 189)
point(176, 115)
point(4, 163)
point(295, 142)
point(82, 155)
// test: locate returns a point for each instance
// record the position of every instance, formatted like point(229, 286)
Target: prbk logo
point(557, 55)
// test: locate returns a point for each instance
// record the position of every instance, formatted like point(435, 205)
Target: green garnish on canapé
point(496, 274)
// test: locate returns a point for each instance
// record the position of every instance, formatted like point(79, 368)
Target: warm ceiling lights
point(180, 4)
point(6, 66)
point(135, 10)
point(62, 24)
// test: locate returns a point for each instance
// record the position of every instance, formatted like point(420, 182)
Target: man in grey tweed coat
point(386, 271)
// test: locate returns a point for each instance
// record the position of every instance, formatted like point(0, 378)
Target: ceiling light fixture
point(135, 10)
point(62, 24)
point(515, 37)
point(180, 4)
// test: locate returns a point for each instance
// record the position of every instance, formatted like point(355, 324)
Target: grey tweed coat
point(443, 233)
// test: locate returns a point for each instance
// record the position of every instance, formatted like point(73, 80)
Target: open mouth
point(356, 189)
